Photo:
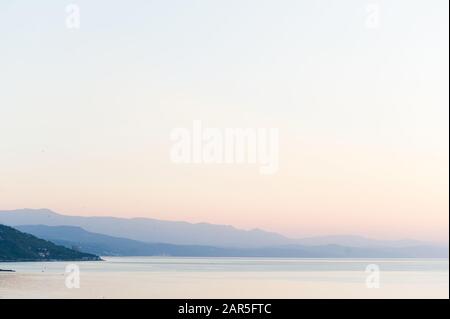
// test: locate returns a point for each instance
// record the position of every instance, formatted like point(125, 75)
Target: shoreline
point(48, 260)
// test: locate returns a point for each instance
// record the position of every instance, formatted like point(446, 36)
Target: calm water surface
point(171, 277)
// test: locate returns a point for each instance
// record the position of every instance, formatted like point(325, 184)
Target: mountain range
point(149, 230)
point(104, 245)
point(149, 237)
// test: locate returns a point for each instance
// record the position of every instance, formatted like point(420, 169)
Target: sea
point(185, 278)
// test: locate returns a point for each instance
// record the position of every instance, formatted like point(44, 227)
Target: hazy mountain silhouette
point(104, 245)
point(182, 233)
point(149, 230)
point(357, 241)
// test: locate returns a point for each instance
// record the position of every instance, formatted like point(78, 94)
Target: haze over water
point(169, 277)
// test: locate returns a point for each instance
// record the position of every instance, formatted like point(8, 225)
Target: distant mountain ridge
point(104, 245)
point(149, 230)
point(183, 233)
point(358, 241)
point(19, 246)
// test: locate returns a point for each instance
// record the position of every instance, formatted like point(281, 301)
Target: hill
point(19, 246)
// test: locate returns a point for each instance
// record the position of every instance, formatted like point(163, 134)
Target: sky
point(357, 89)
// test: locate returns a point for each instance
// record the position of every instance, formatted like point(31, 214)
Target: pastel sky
point(362, 111)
